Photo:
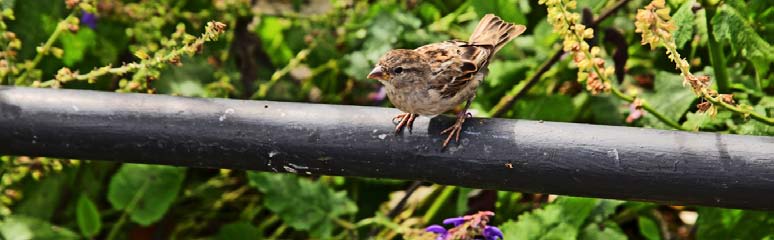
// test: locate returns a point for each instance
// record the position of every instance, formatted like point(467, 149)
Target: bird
point(435, 78)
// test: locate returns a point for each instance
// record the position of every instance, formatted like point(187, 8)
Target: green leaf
point(88, 218)
point(429, 12)
point(718, 223)
point(301, 203)
point(503, 73)
point(605, 110)
point(731, 27)
point(703, 121)
point(752, 127)
point(7, 4)
point(271, 32)
point(648, 228)
point(608, 230)
point(75, 45)
point(43, 198)
point(560, 108)
point(383, 32)
point(239, 231)
point(145, 191)
point(506, 9)
point(561, 219)
point(684, 20)
point(188, 80)
point(35, 21)
point(670, 98)
point(24, 228)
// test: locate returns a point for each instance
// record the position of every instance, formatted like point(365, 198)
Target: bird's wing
point(454, 64)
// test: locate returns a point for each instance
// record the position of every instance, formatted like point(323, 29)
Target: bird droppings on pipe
point(487, 148)
point(500, 136)
point(614, 154)
point(289, 169)
point(225, 114)
point(298, 166)
point(75, 108)
point(472, 133)
point(382, 136)
point(273, 153)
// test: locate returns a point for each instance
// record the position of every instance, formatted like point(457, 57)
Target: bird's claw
point(455, 129)
point(406, 120)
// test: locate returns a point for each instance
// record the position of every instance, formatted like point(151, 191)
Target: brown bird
point(435, 78)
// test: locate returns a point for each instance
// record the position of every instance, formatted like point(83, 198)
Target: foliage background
point(321, 51)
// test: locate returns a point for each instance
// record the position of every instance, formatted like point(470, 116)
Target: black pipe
point(561, 158)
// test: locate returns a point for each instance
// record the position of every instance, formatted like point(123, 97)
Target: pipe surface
point(505, 154)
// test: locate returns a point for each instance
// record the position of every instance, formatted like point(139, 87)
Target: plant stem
point(60, 27)
point(617, 93)
point(263, 89)
point(131, 67)
point(746, 112)
point(685, 70)
point(520, 90)
point(268, 222)
point(717, 57)
point(129, 208)
point(438, 203)
point(280, 230)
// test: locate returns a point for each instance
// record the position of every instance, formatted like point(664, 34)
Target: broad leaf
point(648, 228)
point(563, 219)
point(301, 203)
point(88, 218)
point(670, 98)
point(717, 223)
point(506, 9)
point(42, 198)
point(24, 228)
point(731, 27)
point(607, 230)
point(559, 108)
point(684, 20)
point(145, 191)
point(238, 231)
point(76, 44)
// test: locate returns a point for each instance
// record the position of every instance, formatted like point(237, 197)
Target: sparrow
point(437, 77)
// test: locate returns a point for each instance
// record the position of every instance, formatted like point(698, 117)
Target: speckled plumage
point(435, 78)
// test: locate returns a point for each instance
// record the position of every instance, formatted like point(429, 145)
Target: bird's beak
point(377, 73)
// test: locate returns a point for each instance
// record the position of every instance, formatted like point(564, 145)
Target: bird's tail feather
point(492, 30)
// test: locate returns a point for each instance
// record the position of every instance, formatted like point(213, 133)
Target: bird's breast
point(426, 101)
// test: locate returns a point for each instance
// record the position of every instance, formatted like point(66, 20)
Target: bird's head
point(399, 66)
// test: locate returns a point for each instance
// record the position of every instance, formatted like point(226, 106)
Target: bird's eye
point(398, 70)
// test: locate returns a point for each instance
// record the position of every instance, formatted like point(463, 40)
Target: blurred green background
point(321, 51)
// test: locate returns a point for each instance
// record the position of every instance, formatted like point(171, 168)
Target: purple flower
point(438, 229)
point(492, 233)
point(456, 221)
point(89, 19)
point(379, 95)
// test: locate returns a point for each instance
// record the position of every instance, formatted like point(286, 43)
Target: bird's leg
point(405, 120)
point(456, 129)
